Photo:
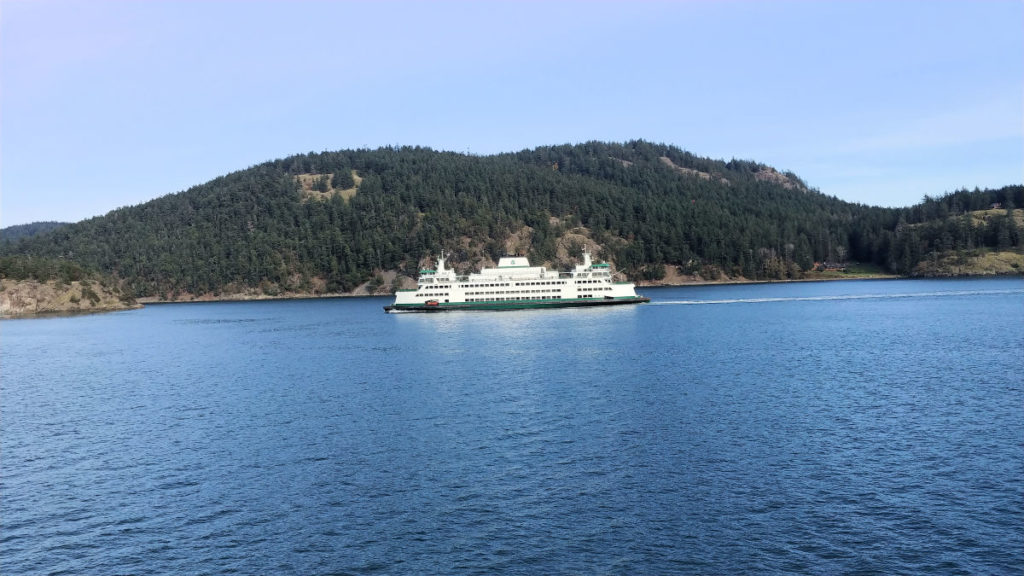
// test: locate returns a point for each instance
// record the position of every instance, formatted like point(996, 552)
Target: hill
point(366, 219)
point(19, 231)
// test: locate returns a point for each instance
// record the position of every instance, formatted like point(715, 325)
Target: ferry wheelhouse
point(515, 284)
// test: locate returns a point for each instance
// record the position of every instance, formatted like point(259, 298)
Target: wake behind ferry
point(514, 284)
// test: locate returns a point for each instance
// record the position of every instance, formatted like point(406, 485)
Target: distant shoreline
point(154, 300)
point(301, 296)
point(733, 281)
point(41, 299)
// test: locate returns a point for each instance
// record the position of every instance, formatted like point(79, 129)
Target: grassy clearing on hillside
point(853, 271)
point(309, 183)
point(979, 217)
point(981, 263)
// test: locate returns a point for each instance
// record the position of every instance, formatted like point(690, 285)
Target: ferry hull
point(514, 305)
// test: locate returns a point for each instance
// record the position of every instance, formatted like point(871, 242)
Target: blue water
point(845, 427)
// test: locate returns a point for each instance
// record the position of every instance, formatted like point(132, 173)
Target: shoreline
point(155, 300)
point(310, 296)
point(66, 313)
point(730, 282)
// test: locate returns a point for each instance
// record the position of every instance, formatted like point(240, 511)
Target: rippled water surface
point(873, 427)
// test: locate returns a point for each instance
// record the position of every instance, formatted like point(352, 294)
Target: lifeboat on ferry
point(431, 303)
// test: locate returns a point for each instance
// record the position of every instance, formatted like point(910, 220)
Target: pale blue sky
point(107, 104)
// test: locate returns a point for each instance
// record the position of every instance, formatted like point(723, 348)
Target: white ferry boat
point(514, 284)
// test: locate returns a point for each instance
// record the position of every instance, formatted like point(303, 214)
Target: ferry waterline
point(515, 284)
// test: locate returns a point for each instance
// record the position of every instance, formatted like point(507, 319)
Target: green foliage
point(17, 232)
point(342, 179)
point(649, 205)
point(90, 294)
point(63, 272)
point(42, 269)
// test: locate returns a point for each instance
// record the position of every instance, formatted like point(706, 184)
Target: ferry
point(513, 285)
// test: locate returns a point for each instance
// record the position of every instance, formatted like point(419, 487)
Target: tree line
point(650, 206)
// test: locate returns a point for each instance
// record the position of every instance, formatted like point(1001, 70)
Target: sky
point(105, 104)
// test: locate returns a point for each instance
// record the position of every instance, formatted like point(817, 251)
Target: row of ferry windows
point(548, 291)
point(501, 285)
point(514, 292)
point(498, 285)
point(542, 290)
point(538, 283)
point(515, 298)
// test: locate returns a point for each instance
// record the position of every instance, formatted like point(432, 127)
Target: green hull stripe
point(519, 304)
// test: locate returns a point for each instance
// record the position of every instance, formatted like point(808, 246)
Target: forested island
point(363, 221)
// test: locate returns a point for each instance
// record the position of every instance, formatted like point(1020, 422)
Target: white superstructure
point(514, 283)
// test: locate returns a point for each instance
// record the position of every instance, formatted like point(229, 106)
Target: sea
point(853, 427)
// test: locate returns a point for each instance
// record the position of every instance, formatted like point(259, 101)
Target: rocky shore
point(26, 298)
